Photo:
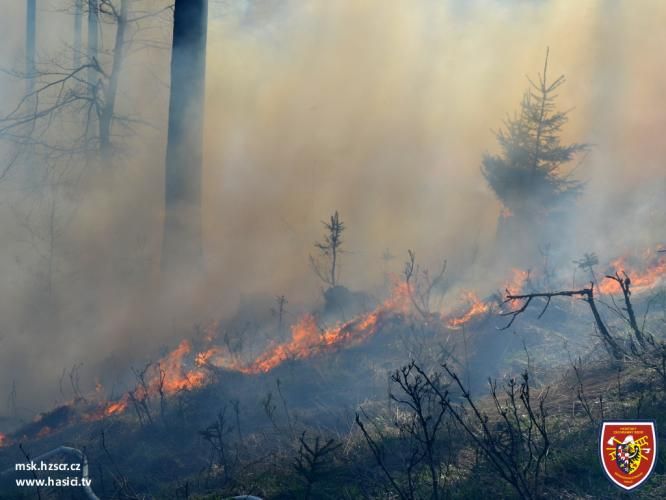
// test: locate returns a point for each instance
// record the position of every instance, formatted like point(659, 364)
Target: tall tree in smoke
point(111, 91)
point(78, 24)
point(93, 38)
point(65, 113)
point(181, 246)
point(529, 177)
point(30, 75)
point(30, 42)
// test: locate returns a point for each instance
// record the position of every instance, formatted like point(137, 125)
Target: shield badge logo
point(628, 452)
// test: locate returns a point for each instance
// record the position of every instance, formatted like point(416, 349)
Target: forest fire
point(174, 377)
point(166, 377)
point(116, 407)
point(170, 375)
point(517, 282)
point(185, 369)
point(476, 308)
point(44, 431)
point(308, 338)
point(642, 279)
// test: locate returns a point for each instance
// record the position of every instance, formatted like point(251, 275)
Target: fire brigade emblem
point(628, 452)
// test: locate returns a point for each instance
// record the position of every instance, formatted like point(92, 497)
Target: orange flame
point(518, 279)
point(4, 440)
point(44, 431)
point(642, 280)
point(476, 308)
point(169, 375)
point(116, 407)
point(183, 370)
point(176, 377)
point(308, 339)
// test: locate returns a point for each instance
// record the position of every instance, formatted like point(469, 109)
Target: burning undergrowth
point(646, 272)
point(365, 347)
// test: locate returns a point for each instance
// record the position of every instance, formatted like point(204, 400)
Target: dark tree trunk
point(93, 38)
point(78, 23)
point(31, 35)
point(92, 47)
point(106, 117)
point(30, 171)
point(182, 246)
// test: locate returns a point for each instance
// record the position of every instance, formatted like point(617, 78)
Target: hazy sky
point(379, 109)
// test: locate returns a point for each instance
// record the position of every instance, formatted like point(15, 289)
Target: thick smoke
point(381, 110)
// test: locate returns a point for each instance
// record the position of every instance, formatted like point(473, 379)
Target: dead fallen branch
point(587, 294)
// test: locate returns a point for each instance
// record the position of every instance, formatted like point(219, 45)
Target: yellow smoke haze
point(381, 109)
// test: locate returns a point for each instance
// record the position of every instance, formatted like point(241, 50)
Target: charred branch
point(419, 420)
point(420, 283)
point(378, 452)
point(517, 444)
point(216, 435)
point(312, 460)
point(587, 294)
point(624, 283)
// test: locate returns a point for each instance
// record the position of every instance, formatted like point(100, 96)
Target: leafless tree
point(418, 422)
point(614, 348)
point(84, 92)
point(624, 282)
point(75, 381)
point(161, 379)
point(270, 409)
point(121, 482)
point(140, 395)
point(580, 391)
point(325, 265)
point(646, 350)
point(312, 460)
point(516, 441)
point(217, 436)
point(421, 284)
point(280, 310)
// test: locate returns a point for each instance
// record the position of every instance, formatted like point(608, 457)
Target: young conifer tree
point(326, 265)
point(529, 176)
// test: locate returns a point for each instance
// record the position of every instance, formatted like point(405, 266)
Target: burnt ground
point(240, 433)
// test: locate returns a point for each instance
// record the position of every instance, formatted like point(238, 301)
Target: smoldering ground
point(381, 110)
